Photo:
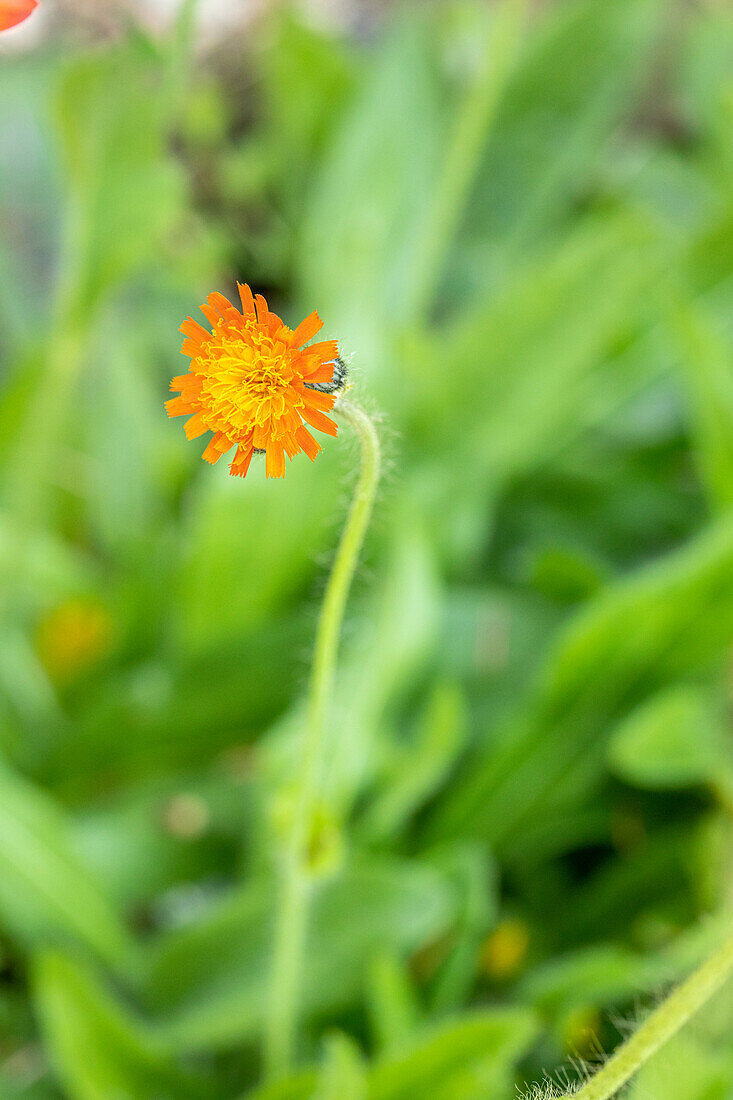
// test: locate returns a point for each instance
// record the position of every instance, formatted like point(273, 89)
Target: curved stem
point(660, 1026)
point(292, 915)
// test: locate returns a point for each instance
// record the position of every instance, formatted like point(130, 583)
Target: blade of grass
point(473, 123)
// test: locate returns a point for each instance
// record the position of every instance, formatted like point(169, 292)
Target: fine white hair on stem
point(660, 1025)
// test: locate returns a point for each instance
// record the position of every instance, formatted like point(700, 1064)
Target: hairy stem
point(296, 882)
point(660, 1026)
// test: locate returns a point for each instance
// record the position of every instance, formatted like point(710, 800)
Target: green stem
point(660, 1026)
point(296, 882)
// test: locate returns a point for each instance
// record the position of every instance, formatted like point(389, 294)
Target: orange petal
point(195, 427)
point(263, 312)
point(188, 385)
point(318, 420)
point(179, 406)
point(194, 330)
point(275, 460)
point(180, 382)
point(322, 372)
point(191, 348)
point(291, 421)
point(324, 349)
point(222, 304)
point(13, 12)
point(261, 435)
point(210, 314)
point(248, 302)
point(314, 399)
point(216, 447)
point(211, 453)
point(278, 329)
point(221, 443)
point(289, 442)
point(241, 462)
point(307, 442)
point(306, 329)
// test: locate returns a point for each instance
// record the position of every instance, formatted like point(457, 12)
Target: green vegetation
point(517, 220)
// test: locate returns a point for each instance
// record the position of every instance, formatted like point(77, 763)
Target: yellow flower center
point(245, 375)
point(255, 383)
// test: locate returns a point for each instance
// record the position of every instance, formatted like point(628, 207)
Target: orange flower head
point(13, 12)
point(254, 383)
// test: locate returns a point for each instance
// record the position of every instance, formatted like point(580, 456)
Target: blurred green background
point(517, 219)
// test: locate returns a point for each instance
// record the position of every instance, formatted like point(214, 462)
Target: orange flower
point(13, 12)
point(252, 383)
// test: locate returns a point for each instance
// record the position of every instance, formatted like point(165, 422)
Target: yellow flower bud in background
point(504, 952)
point(73, 637)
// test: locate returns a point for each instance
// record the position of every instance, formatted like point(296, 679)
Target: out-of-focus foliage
point(518, 221)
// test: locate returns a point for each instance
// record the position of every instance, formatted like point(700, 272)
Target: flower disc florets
point(253, 383)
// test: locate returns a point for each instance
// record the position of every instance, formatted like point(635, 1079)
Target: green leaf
point(474, 874)
point(98, 1047)
point(46, 892)
point(558, 323)
point(471, 1058)
point(669, 599)
point(566, 96)
point(439, 1063)
point(211, 979)
point(605, 974)
point(40, 567)
point(705, 356)
point(590, 977)
point(418, 769)
point(369, 199)
point(673, 740)
point(124, 192)
point(298, 1086)
point(29, 195)
point(343, 1072)
point(550, 757)
point(323, 70)
point(391, 1002)
point(555, 322)
point(646, 879)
